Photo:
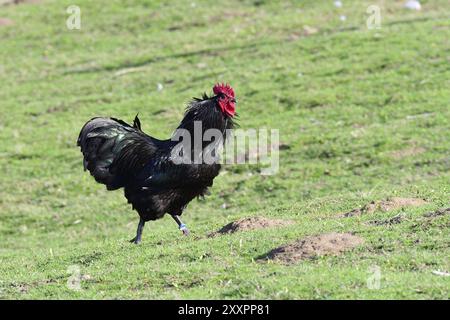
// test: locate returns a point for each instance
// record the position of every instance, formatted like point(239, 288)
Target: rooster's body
point(119, 155)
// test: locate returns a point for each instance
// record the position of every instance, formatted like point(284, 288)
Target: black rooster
point(119, 155)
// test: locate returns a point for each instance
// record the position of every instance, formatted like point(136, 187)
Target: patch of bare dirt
point(251, 223)
point(429, 220)
point(437, 213)
point(253, 154)
point(307, 31)
point(227, 15)
point(21, 287)
point(385, 205)
point(314, 246)
point(408, 152)
point(6, 22)
point(59, 108)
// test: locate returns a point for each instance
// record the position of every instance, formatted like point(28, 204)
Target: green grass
point(345, 99)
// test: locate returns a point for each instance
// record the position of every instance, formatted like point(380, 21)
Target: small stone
point(413, 5)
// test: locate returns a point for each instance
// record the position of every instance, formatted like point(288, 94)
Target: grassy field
point(364, 115)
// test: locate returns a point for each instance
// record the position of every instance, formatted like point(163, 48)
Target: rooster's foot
point(135, 241)
point(181, 225)
point(184, 229)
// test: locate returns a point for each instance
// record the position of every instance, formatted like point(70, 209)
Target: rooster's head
point(224, 95)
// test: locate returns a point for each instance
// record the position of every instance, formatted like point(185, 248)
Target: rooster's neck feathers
point(207, 111)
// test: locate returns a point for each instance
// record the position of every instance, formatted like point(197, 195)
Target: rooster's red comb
point(224, 88)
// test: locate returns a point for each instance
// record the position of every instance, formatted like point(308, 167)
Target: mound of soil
point(385, 205)
point(408, 152)
point(251, 223)
point(314, 246)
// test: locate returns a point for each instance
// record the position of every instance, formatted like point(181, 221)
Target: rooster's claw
point(184, 229)
point(135, 241)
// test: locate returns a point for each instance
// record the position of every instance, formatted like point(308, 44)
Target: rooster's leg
point(137, 239)
point(181, 225)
